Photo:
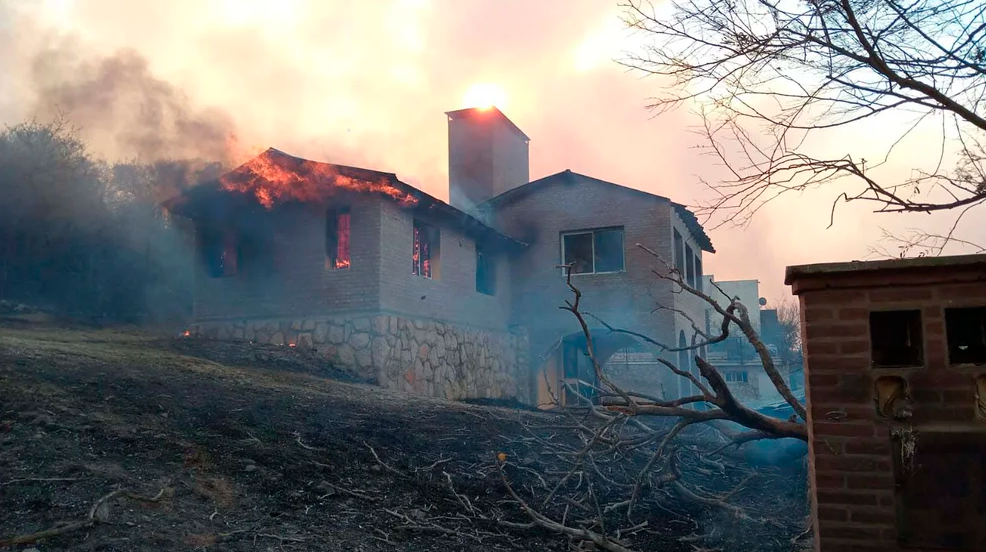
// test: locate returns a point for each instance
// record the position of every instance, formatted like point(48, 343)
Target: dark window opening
point(689, 266)
point(684, 386)
point(337, 226)
point(896, 339)
point(966, 331)
point(425, 250)
point(485, 272)
point(679, 253)
point(698, 273)
point(737, 377)
point(594, 251)
point(221, 251)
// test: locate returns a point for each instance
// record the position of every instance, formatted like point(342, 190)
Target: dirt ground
point(265, 448)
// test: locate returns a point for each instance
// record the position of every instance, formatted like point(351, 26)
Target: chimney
point(488, 155)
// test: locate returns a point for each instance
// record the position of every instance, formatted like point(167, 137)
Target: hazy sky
point(366, 83)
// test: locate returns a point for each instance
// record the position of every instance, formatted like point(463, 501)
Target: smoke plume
point(122, 108)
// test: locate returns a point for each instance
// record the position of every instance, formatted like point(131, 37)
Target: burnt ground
point(265, 448)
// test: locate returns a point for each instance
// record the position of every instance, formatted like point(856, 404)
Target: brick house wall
point(295, 281)
point(375, 318)
point(855, 462)
point(450, 296)
point(623, 299)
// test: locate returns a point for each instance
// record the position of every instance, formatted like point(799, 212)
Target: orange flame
point(275, 177)
point(187, 333)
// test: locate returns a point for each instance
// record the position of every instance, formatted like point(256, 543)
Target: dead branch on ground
point(95, 513)
point(628, 452)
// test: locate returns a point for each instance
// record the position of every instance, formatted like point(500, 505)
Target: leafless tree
point(771, 78)
point(634, 450)
point(789, 318)
point(84, 237)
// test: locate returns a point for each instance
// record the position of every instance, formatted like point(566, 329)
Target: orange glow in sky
point(366, 84)
point(485, 96)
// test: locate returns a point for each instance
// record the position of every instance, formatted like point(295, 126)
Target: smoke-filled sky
point(366, 83)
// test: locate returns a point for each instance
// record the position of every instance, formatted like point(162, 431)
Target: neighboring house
point(456, 300)
point(736, 359)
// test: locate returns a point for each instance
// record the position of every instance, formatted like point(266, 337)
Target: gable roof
point(570, 178)
point(276, 176)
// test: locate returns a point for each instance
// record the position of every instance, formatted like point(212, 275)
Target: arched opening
point(568, 377)
point(684, 386)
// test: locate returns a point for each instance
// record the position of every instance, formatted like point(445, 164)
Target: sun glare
point(485, 96)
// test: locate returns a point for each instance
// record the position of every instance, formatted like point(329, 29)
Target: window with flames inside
point(337, 226)
point(425, 250)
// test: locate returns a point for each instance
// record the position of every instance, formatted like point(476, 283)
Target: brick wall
point(623, 299)
point(286, 275)
point(855, 496)
point(449, 296)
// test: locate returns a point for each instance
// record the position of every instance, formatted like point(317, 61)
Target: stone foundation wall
point(417, 356)
point(649, 379)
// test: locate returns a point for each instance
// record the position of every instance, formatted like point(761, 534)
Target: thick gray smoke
point(121, 107)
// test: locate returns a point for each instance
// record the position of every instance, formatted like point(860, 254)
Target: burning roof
point(274, 177)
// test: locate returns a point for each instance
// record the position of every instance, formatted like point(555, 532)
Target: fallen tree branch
point(382, 463)
point(37, 479)
point(354, 494)
point(88, 521)
point(551, 525)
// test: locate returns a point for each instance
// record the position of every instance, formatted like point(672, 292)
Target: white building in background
point(736, 358)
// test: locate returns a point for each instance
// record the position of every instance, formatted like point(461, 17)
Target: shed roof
point(798, 272)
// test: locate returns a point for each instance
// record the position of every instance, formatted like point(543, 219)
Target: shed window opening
point(896, 339)
point(966, 331)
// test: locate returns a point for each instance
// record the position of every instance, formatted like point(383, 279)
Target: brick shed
point(895, 357)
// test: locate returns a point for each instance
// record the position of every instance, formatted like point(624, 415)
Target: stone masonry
point(423, 357)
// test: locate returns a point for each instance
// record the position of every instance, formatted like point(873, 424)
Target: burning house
point(454, 299)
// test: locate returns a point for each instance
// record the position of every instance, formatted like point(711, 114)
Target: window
point(593, 251)
point(485, 272)
point(896, 339)
point(698, 273)
point(221, 250)
point(737, 377)
point(966, 330)
point(337, 238)
point(679, 253)
point(425, 250)
point(684, 386)
point(690, 266)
